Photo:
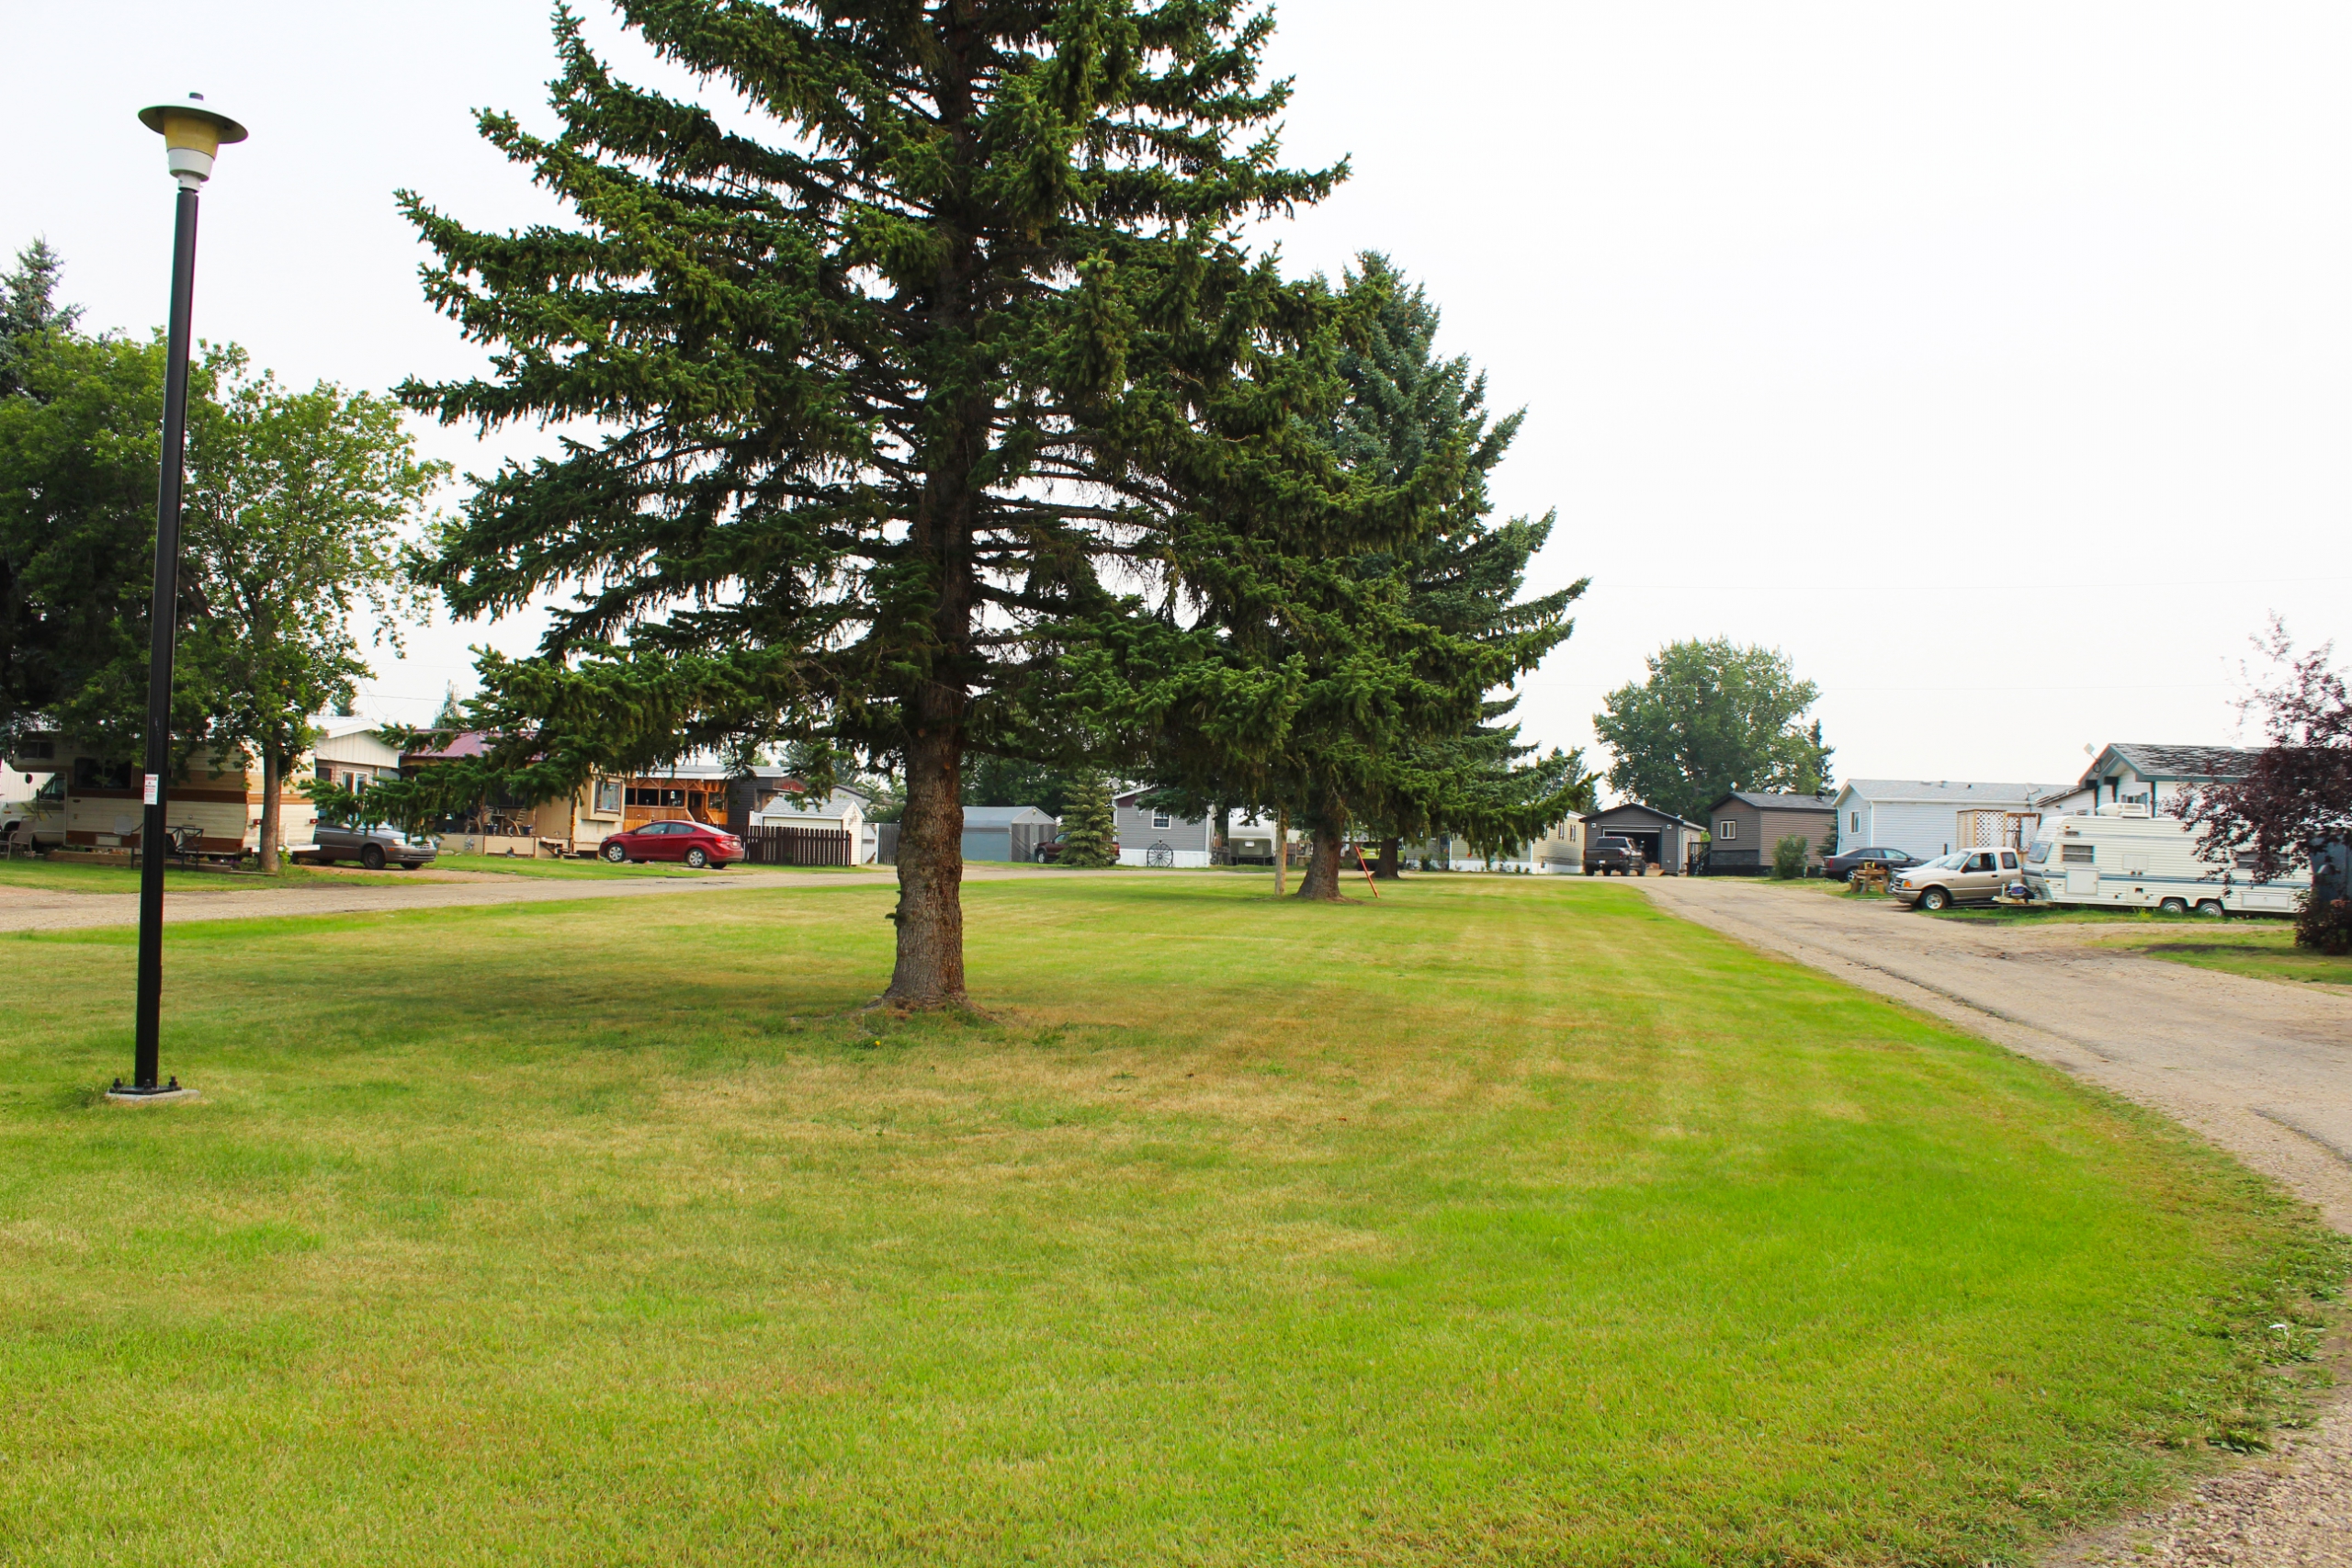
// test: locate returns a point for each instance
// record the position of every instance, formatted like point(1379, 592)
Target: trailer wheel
point(372, 856)
point(2173, 907)
point(1935, 899)
point(2210, 907)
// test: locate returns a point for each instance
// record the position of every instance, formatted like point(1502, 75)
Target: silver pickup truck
point(374, 847)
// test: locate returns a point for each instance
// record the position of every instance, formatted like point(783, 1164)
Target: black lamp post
point(192, 135)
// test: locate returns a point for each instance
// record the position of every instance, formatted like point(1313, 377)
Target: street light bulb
point(192, 135)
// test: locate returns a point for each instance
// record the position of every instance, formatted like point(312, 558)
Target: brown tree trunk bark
point(1281, 852)
point(930, 971)
point(1389, 867)
point(1329, 823)
point(270, 768)
point(1321, 883)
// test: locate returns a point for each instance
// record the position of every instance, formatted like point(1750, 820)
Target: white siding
point(1923, 828)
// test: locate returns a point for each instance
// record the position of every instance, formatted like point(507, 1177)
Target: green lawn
point(595, 870)
point(1505, 1219)
point(2264, 950)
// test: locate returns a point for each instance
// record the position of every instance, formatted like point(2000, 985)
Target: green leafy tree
point(1713, 718)
point(1010, 780)
point(80, 448)
point(1089, 830)
point(304, 502)
point(908, 380)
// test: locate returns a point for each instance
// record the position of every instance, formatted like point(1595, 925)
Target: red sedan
point(698, 844)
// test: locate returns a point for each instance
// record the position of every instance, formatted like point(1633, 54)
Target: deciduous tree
point(2296, 798)
point(302, 505)
point(1711, 717)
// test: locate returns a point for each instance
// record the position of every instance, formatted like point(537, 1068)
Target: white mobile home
point(2122, 855)
point(1926, 818)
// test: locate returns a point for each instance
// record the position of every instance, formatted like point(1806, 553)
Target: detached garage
point(1664, 839)
point(1005, 832)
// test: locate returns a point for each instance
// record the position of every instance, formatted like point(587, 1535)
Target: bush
point(2324, 923)
point(1788, 856)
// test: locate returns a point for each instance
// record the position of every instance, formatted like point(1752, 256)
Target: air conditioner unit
point(2125, 808)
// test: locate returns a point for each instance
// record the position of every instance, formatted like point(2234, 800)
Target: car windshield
point(1952, 861)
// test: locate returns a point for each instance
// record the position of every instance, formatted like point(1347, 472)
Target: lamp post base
point(165, 1094)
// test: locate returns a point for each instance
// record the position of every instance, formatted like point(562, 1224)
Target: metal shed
point(1005, 832)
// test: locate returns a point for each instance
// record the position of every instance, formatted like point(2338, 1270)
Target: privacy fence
point(795, 846)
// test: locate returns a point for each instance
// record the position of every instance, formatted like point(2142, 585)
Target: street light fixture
point(193, 134)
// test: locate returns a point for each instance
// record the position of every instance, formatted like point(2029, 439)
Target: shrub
point(2323, 924)
point(1788, 856)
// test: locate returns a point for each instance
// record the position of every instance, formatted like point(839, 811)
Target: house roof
point(1646, 811)
point(1767, 801)
point(2152, 760)
point(985, 817)
point(1958, 791)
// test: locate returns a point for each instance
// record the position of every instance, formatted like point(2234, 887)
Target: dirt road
point(27, 908)
point(2262, 1069)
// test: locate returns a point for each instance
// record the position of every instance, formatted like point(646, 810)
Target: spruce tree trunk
point(1321, 883)
point(930, 971)
point(1389, 867)
point(1281, 851)
point(271, 766)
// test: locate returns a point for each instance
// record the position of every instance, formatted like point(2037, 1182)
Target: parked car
point(1963, 876)
point(1843, 864)
point(696, 844)
point(1609, 854)
point(374, 847)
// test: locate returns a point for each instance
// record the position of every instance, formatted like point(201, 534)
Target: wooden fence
point(776, 845)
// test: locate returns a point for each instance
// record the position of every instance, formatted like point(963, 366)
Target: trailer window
point(2038, 852)
point(2078, 854)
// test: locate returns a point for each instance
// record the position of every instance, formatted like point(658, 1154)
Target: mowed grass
point(1501, 1221)
point(2260, 951)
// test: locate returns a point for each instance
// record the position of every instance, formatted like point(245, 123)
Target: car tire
point(2173, 907)
point(2210, 907)
point(1934, 900)
point(371, 856)
point(617, 854)
point(696, 858)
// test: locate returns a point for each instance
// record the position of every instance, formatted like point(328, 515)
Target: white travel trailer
point(86, 802)
point(2122, 855)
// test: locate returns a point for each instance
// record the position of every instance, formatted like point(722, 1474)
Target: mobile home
point(2123, 855)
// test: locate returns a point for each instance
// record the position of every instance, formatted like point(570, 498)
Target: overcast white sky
point(1990, 360)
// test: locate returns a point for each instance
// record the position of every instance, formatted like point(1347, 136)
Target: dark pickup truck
point(1605, 856)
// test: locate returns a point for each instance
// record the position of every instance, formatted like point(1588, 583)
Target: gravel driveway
point(2262, 1069)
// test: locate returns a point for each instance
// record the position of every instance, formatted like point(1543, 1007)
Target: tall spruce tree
point(1387, 656)
point(1478, 783)
point(907, 383)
